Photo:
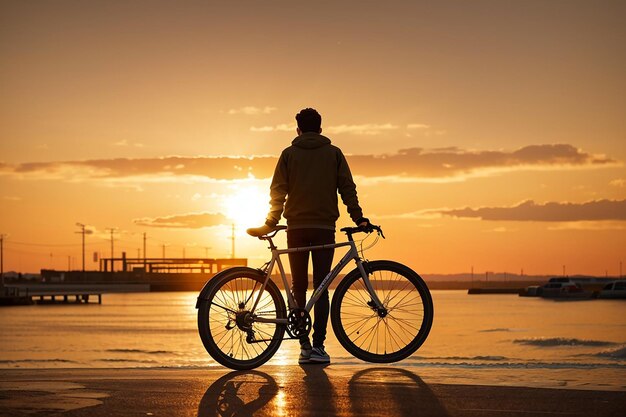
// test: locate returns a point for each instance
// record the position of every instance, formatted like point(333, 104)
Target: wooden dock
point(27, 294)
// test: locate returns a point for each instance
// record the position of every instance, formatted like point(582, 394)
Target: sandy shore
point(281, 391)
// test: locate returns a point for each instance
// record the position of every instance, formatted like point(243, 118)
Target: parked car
point(563, 289)
point(615, 289)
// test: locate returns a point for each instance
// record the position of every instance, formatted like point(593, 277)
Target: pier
point(26, 294)
point(169, 265)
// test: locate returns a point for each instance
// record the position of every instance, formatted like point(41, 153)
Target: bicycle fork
point(375, 302)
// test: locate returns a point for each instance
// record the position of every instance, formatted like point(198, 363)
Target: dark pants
point(322, 261)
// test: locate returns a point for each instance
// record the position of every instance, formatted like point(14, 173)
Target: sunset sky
point(489, 134)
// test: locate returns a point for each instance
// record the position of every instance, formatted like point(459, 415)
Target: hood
point(310, 140)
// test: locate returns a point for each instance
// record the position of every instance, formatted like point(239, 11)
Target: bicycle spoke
point(224, 308)
point(393, 337)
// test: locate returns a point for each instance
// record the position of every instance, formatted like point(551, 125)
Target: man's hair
point(309, 120)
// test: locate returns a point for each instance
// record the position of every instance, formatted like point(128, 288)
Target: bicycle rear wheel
point(397, 334)
point(227, 326)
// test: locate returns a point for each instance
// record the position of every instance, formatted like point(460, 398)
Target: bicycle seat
point(264, 231)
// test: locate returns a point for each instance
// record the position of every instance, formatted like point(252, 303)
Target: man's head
point(309, 120)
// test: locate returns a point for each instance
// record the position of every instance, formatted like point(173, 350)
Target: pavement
point(307, 390)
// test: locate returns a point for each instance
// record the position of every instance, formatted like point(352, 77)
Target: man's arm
point(347, 190)
point(278, 191)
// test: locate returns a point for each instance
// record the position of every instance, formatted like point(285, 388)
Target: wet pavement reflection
point(321, 391)
point(289, 390)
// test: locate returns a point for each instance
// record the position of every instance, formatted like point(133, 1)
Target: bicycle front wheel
point(397, 334)
point(227, 324)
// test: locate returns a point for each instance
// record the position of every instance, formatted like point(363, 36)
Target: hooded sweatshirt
point(308, 176)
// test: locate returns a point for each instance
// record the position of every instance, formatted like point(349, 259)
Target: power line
point(49, 244)
point(21, 252)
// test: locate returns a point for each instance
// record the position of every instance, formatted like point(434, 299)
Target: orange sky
point(167, 118)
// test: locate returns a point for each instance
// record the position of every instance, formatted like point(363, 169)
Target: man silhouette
point(308, 175)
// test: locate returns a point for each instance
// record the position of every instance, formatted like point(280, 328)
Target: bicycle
point(381, 311)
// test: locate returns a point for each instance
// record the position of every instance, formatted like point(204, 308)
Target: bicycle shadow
point(394, 392)
point(238, 393)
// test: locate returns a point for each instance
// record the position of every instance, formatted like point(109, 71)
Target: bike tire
point(218, 326)
point(366, 335)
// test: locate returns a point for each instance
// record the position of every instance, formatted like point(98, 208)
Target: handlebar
point(365, 229)
point(347, 230)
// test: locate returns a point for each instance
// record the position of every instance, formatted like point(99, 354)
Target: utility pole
point(563, 270)
point(82, 231)
point(69, 264)
point(112, 229)
point(2, 264)
point(163, 251)
point(144, 251)
point(183, 252)
point(620, 269)
point(472, 275)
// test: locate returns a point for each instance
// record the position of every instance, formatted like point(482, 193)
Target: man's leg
point(322, 261)
point(299, 263)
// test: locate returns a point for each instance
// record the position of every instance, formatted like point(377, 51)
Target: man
point(308, 175)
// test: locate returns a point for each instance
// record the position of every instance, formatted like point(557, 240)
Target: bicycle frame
point(352, 254)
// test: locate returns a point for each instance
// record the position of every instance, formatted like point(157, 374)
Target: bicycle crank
point(298, 323)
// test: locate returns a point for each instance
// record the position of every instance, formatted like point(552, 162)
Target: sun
point(247, 207)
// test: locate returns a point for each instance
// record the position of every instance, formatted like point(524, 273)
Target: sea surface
point(475, 339)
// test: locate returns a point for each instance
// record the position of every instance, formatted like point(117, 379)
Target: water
point(477, 339)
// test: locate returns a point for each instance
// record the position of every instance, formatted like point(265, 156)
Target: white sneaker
point(305, 353)
point(319, 355)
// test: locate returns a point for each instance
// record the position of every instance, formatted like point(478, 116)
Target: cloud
point(369, 129)
point(501, 230)
point(597, 210)
point(170, 168)
point(363, 129)
point(125, 143)
point(414, 215)
point(420, 126)
point(407, 165)
point(252, 111)
point(619, 182)
point(278, 128)
point(458, 164)
point(589, 225)
point(185, 221)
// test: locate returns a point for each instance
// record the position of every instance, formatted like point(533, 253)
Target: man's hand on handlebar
point(260, 231)
point(364, 225)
